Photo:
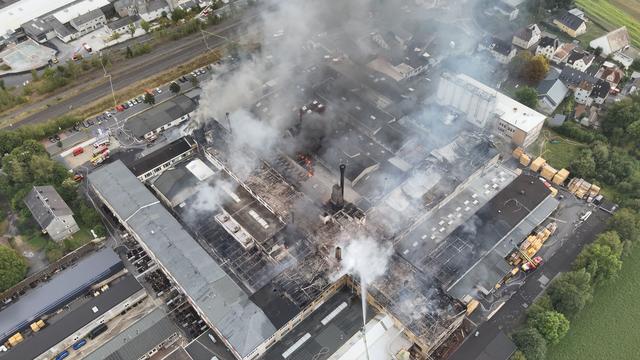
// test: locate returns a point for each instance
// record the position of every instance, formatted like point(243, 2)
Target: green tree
point(527, 96)
point(194, 81)
point(584, 165)
point(552, 325)
point(13, 268)
point(131, 29)
point(145, 26)
point(178, 14)
point(529, 68)
point(570, 292)
point(518, 355)
point(531, 343)
point(626, 223)
point(128, 52)
point(602, 258)
point(149, 98)
point(34, 75)
point(174, 87)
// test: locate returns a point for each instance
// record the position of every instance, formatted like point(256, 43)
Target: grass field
point(608, 327)
point(611, 14)
point(557, 154)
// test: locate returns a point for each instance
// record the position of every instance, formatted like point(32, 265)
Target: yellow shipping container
point(537, 164)
point(518, 152)
point(525, 160)
point(594, 190)
point(548, 172)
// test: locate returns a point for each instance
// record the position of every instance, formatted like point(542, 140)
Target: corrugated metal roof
point(62, 287)
point(137, 339)
point(224, 304)
point(78, 318)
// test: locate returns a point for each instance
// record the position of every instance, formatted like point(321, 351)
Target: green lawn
point(559, 154)
point(608, 327)
point(614, 14)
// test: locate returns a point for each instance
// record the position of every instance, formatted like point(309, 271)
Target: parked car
point(119, 108)
point(56, 137)
point(52, 139)
point(125, 105)
point(158, 90)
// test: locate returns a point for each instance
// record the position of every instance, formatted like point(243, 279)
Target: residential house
point(547, 46)
point(550, 94)
point(582, 91)
point(122, 26)
point(501, 50)
point(572, 77)
point(586, 116)
point(600, 92)
point(527, 37)
point(580, 60)
point(562, 53)
point(611, 74)
point(51, 212)
point(571, 24)
point(625, 60)
point(612, 42)
point(153, 10)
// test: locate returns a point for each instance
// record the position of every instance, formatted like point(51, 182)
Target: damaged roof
point(223, 303)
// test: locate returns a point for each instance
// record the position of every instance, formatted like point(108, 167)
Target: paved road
point(163, 57)
point(512, 314)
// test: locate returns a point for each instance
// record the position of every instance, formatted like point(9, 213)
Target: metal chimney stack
point(342, 169)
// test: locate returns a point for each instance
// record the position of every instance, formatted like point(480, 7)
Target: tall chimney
point(342, 168)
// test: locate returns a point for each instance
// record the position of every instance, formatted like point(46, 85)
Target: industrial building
point(149, 123)
point(141, 340)
point(59, 290)
point(488, 108)
point(79, 321)
point(163, 158)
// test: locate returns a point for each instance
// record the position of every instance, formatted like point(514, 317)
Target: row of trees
point(548, 319)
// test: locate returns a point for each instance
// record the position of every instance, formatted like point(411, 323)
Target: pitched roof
point(571, 21)
point(526, 33)
point(45, 204)
point(554, 90)
point(114, 25)
point(88, 16)
point(547, 41)
point(498, 45)
point(613, 41)
point(601, 89)
point(577, 55)
point(573, 77)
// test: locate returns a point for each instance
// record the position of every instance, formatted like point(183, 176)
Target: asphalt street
point(165, 56)
point(513, 312)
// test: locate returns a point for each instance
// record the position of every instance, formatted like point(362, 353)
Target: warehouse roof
point(23, 11)
point(78, 318)
point(492, 267)
point(136, 340)
point(160, 115)
point(61, 288)
point(222, 302)
point(79, 9)
point(162, 155)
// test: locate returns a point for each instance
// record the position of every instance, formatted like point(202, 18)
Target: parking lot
point(113, 120)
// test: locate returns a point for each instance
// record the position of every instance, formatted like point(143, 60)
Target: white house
point(547, 46)
point(527, 37)
point(580, 60)
point(614, 41)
